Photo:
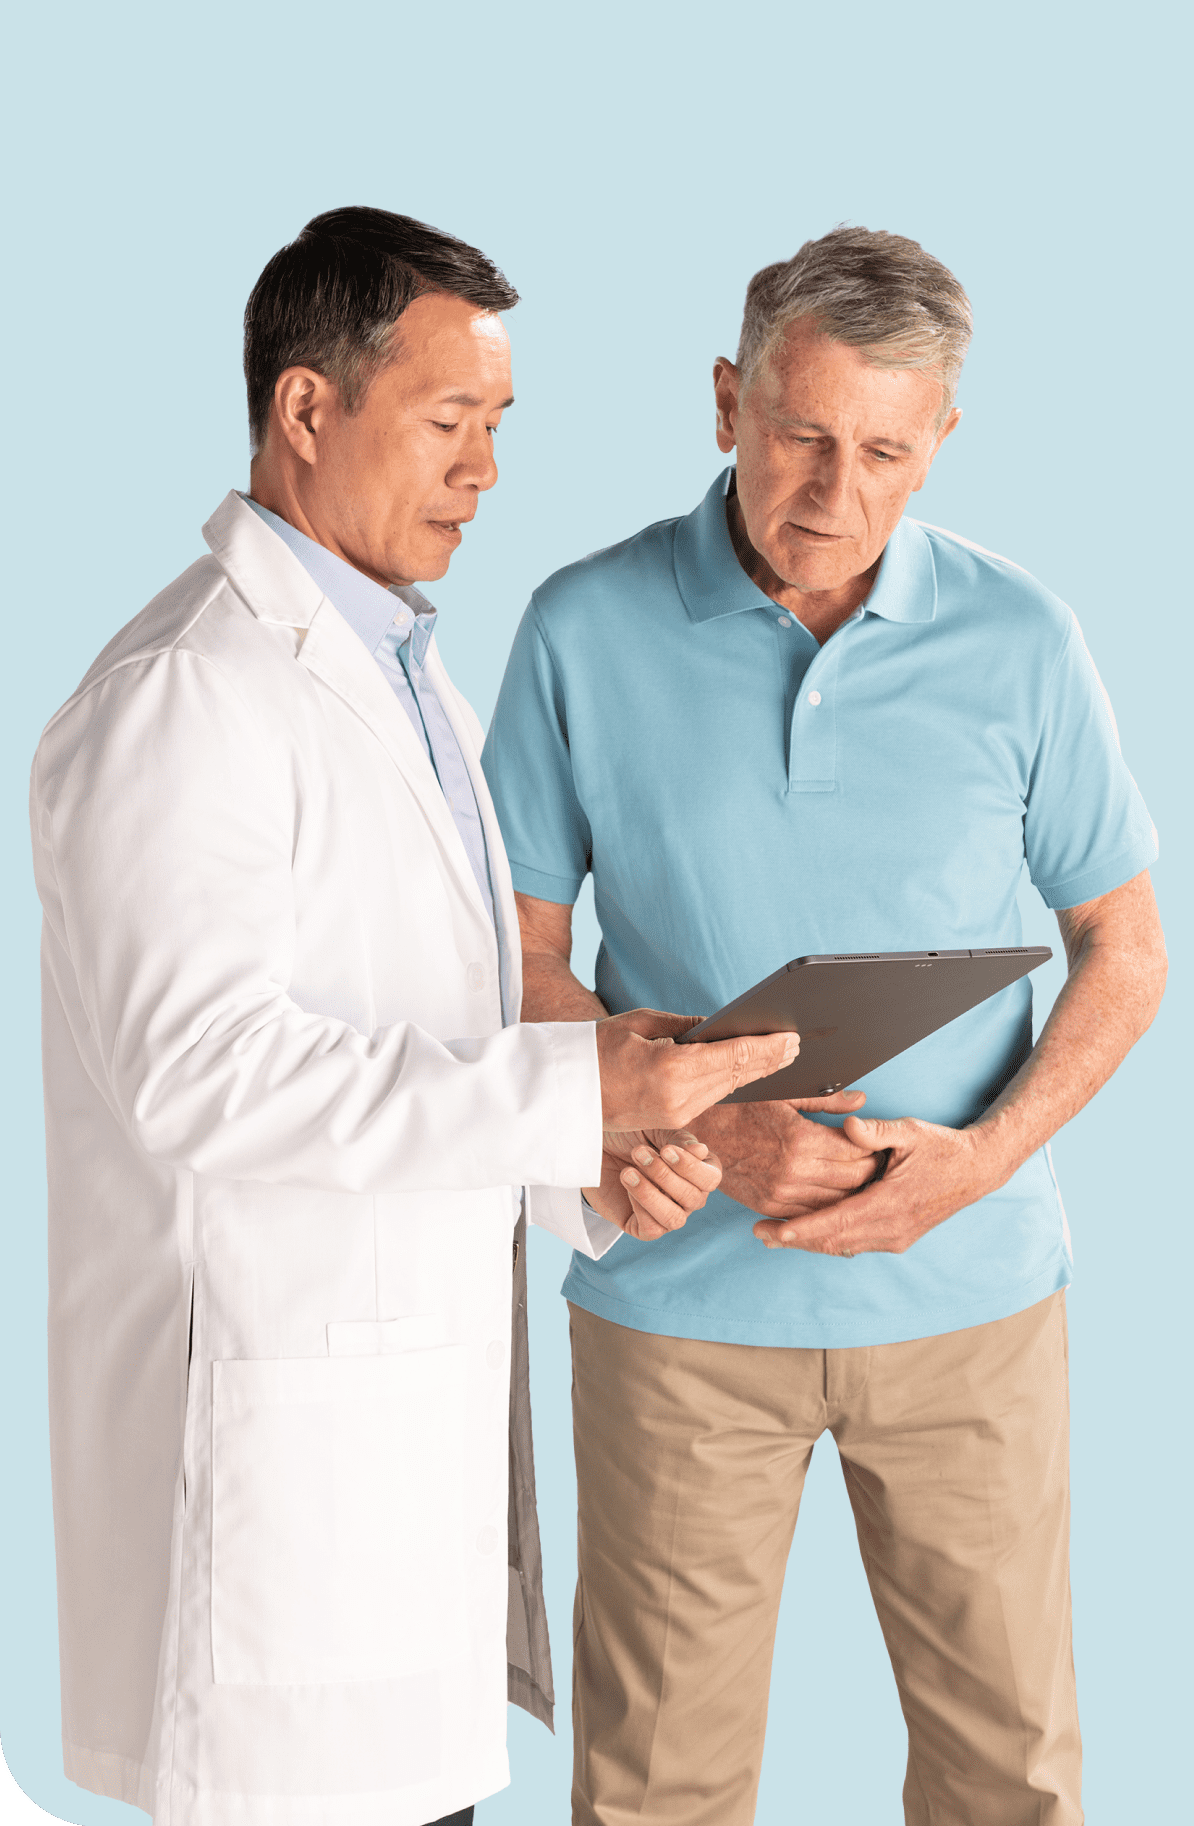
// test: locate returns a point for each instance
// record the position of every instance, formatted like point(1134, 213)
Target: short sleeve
point(1086, 828)
point(528, 766)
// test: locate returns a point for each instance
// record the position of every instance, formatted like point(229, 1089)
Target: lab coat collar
point(277, 588)
point(262, 570)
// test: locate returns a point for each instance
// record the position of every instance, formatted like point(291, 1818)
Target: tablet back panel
point(855, 1011)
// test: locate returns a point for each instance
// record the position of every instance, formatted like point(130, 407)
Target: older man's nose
point(833, 484)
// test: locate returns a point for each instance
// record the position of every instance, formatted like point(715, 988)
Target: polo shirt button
point(474, 976)
point(785, 621)
point(487, 1540)
point(814, 697)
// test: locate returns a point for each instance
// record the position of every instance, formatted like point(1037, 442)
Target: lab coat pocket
point(337, 1531)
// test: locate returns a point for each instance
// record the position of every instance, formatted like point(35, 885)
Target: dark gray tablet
point(855, 1011)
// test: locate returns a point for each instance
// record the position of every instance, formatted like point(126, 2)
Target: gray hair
point(879, 293)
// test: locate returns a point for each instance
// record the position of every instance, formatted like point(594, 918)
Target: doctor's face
point(390, 486)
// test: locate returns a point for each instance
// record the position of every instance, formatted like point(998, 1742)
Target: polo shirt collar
point(708, 575)
point(906, 587)
point(712, 583)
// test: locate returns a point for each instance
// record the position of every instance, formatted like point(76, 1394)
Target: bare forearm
point(550, 992)
point(1113, 990)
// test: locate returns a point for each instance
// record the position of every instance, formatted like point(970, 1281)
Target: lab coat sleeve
point(164, 824)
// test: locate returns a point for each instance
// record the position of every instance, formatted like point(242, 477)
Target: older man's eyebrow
point(470, 399)
point(808, 424)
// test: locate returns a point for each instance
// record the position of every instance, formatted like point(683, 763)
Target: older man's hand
point(652, 1180)
point(931, 1173)
point(775, 1161)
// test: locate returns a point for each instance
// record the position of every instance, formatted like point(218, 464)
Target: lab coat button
point(474, 976)
point(487, 1540)
point(495, 1356)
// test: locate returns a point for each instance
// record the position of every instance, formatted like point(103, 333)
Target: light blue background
point(630, 166)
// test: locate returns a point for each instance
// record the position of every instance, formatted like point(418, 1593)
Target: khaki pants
point(690, 1462)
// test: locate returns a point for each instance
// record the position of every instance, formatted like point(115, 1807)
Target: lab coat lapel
point(335, 655)
point(462, 718)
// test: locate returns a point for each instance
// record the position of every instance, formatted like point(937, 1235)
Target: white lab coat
point(286, 1133)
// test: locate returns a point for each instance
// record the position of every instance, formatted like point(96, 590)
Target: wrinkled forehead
point(813, 381)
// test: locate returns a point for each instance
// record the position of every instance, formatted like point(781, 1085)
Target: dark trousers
point(463, 1818)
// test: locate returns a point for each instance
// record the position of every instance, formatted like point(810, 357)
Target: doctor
point(290, 1111)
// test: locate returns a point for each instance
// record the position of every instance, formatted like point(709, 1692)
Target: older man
point(795, 722)
point(290, 1111)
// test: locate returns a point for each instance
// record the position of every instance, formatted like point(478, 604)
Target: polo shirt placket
point(812, 744)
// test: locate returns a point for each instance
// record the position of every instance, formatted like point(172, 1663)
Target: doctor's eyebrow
point(470, 399)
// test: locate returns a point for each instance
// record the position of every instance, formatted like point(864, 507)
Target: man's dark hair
point(330, 299)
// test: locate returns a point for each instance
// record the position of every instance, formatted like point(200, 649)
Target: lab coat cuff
point(577, 1115)
point(565, 1213)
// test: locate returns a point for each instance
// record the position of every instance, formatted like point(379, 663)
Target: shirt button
point(785, 621)
point(814, 697)
point(487, 1540)
point(474, 976)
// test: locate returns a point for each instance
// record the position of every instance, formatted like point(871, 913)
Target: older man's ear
point(725, 393)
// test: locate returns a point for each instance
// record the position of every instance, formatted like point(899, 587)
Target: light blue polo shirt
point(743, 796)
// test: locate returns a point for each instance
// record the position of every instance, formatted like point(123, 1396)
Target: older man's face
point(829, 450)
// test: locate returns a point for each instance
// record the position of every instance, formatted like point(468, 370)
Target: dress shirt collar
point(712, 583)
point(367, 607)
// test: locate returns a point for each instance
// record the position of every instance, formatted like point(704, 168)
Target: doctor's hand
point(648, 1082)
point(931, 1173)
point(651, 1179)
point(778, 1163)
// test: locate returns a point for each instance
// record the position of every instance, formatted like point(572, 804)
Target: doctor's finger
point(714, 1068)
point(653, 1204)
point(684, 1179)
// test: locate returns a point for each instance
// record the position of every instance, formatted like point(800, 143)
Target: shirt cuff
point(562, 889)
point(564, 1212)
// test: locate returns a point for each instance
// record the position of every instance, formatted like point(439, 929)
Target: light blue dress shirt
point(743, 796)
point(398, 641)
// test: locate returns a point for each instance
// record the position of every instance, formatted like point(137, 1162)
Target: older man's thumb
point(868, 1132)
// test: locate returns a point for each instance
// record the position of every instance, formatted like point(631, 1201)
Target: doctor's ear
point(303, 400)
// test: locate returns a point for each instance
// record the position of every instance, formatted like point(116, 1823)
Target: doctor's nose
point(474, 466)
